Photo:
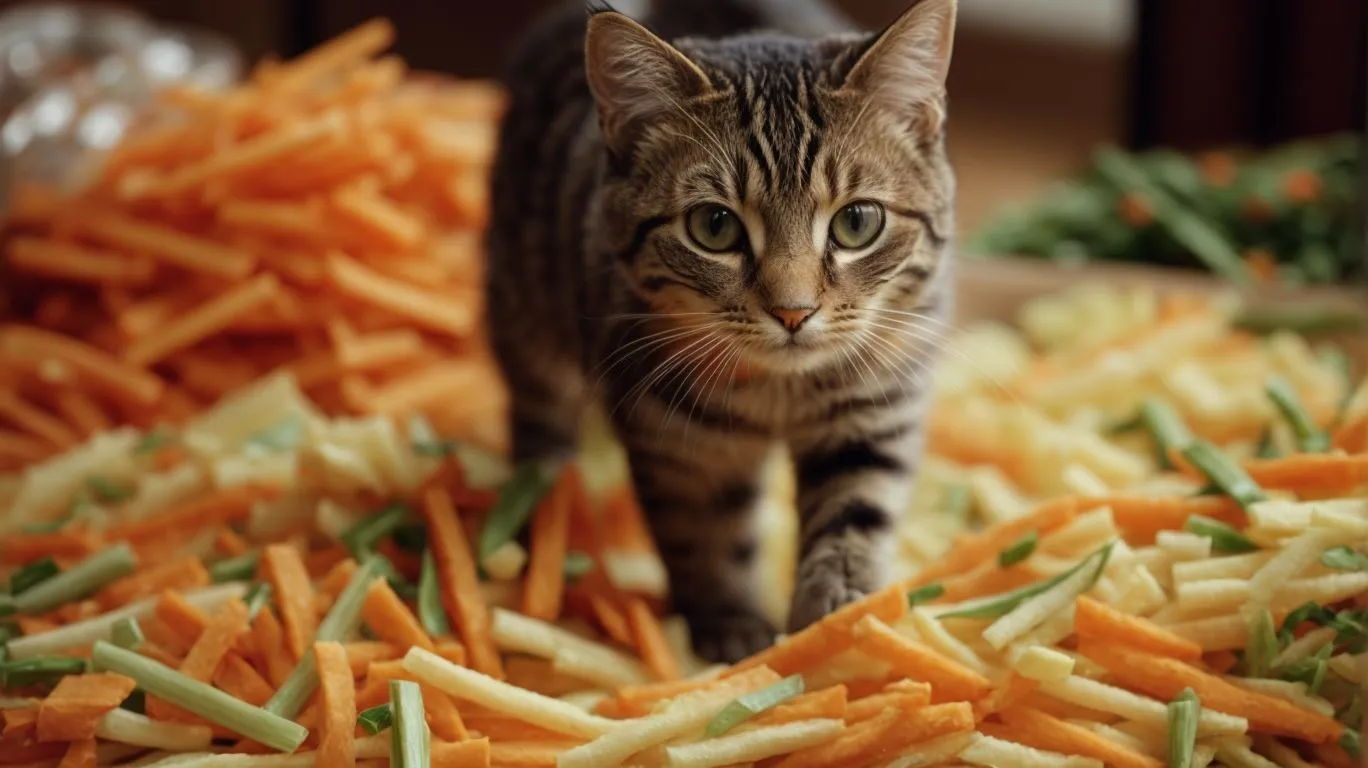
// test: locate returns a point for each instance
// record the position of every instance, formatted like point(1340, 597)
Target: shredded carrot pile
point(322, 218)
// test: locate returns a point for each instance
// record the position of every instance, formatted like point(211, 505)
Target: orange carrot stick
point(613, 622)
point(950, 680)
point(215, 509)
point(828, 637)
point(24, 548)
point(36, 421)
point(269, 641)
point(442, 714)
point(1164, 678)
point(1143, 517)
point(650, 641)
point(460, 584)
point(294, 594)
point(82, 411)
point(870, 707)
point(883, 737)
point(240, 679)
point(203, 321)
point(181, 574)
point(544, 587)
point(1097, 621)
point(1352, 436)
point(1310, 471)
point(183, 621)
point(361, 653)
point(474, 753)
point(336, 745)
point(219, 637)
point(229, 543)
point(391, 620)
point(829, 702)
point(75, 706)
point(969, 551)
point(81, 754)
point(35, 346)
point(1034, 728)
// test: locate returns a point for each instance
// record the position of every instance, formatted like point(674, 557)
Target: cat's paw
point(818, 595)
point(729, 635)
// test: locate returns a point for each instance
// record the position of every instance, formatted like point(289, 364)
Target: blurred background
point(1037, 87)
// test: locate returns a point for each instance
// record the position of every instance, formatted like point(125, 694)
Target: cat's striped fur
point(596, 287)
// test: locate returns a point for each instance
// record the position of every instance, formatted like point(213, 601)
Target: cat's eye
point(857, 225)
point(715, 228)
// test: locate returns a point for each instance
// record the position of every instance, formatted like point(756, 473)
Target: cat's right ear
point(635, 76)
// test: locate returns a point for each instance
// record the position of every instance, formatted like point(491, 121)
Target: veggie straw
point(1182, 729)
point(1224, 473)
point(752, 704)
point(88, 576)
point(1168, 431)
point(409, 736)
point(201, 699)
point(1310, 438)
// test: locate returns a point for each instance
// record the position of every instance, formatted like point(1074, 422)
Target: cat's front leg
point(698, 489)
point(853, 486)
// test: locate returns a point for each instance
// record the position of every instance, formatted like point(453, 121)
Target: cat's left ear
point(905, 66)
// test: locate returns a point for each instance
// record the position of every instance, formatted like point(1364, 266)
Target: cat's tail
point(720, 18)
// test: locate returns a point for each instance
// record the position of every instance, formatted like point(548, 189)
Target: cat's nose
point(792, 318)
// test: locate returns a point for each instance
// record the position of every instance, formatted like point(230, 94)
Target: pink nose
point(792, 318)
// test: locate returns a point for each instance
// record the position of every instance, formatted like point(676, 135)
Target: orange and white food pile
point(1160, 521)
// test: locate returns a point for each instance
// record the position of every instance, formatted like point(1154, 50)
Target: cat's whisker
point(645, 346)
point(944, 344)
point(703, 358)
point(664, 368)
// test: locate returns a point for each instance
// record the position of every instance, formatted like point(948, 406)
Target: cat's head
point(788, 197)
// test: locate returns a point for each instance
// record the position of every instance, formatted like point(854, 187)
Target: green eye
point(857, 225)
point(715, 228)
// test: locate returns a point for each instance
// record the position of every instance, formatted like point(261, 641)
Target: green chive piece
point(1224, 472)
point(1312, 612)
point(136, 702)
point(257, 598)
point(154, 440)
point(1267, 447)
point(1310, 438)
point(32, 575)
point(1182, 729)
point(362, 537)
point(409, 738)
point(411, 537)
point(1344, 559)
point(1351, 742)
point(518, 498)
point(1127, 426)
point(78, 508)
point(340, 622)
point(1263, 645)
point(578, 565)
point(431, 614)
point(1018, 551)
point(88, 576)
point(376, 719)
point(1310, 671)
point(41, 671)
point(127, 634)
point(1001, 605)
point(438, 449)
point(925, 594)
point(752, 704)
point(1167, 430)
point(1337, 360)
point(240, 568)
point(1223, 537)
point(204, 700)
point(958, 500)
point(1304, 320)
point(280, 438)
point(107, 491)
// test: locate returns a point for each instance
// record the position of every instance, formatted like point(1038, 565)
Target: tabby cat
point(730, 237)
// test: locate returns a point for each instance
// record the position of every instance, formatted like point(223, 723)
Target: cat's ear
point(635, 75)
point(905, 66)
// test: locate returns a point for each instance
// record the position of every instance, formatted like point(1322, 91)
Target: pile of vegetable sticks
point(323, 218)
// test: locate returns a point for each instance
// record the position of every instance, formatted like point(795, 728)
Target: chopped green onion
point(1001, 605)
point(1224, 472)
point(204, 700)
point(376, 719)
point(32, 575)
point(1018, 551)
point(1182, 729)
point(1310, 438)
point(78, 508)
point(1351, 629)
point(577, 565)
point(752, 704)
point(1167, 430)
point(1310, 671)
point(154, 440)
point(136, 702)
point(431, 614)
point(1303, 320)
point(257, 598)
point(340, 622)
point(1267, 447)
point(240, 568)
point(88, 576)
point(1351, 742)
point(409, 747)
point(1127, 426)
point(1344, 559)
point(1263, 645)
point(107, 491)
point(411, 537)
point(925, 594)
point(958, 500)
point(280, 438)
point(127, 633)
point(362, 537)
point(439, 449)
point(518, 498)
point(1223, 537)
point(41, 671)
point(1337, 360)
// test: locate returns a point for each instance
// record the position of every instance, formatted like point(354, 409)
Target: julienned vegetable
point(201, 699)
point(377, 718)
point(517, 500)
point(1182, 729)
point(409, 740)
point(1166, 428)
point(1310, 438)
point(430, 611)
point(127, 634)
point(752, 704)
point(1000, 605)
point(362, 538)
point(1223, 537)
point(1224, 473)
point(83, 579)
